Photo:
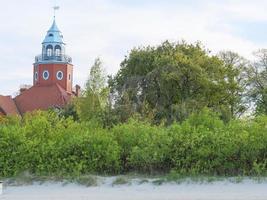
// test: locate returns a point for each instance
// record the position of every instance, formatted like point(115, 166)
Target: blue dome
point(53, 35)
point(53, 47)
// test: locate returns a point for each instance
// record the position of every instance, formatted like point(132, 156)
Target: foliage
point(237, 74)
point(258, 82)
point(144, 148)
point(44, 144)
point(95, 98)
point(120, 181)
point(173, 80)
point(69, 110)
point(97, 79)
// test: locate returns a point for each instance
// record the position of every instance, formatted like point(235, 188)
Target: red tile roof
point(42, 98)
point(8, 106)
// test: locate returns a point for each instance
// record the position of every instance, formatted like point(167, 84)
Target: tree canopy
point(258, 82)
point(173, 80)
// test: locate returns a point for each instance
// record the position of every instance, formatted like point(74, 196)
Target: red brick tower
point(52, 77)
point(53, 66)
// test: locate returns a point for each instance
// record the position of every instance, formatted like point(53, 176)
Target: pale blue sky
point(110, 28)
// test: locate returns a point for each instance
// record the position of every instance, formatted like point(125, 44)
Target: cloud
point(111, 28)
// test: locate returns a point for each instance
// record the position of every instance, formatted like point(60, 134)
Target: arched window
point(49, 50)
point(57, 50)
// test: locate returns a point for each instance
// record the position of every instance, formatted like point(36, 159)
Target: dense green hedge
point(44, 144)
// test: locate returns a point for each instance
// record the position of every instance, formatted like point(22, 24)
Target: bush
point(44, 144)
point(145, 148)
point(12, 149)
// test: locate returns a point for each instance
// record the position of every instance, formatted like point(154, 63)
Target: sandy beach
point(221, 190)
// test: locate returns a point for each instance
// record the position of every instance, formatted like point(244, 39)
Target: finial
point(55, 8)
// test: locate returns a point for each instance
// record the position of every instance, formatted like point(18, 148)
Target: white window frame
point(60, 78)
point(46, 78)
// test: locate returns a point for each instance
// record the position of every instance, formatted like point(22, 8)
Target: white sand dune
point(247, 190)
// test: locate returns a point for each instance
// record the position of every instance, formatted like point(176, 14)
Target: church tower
point(52, 79)
point(53, 66)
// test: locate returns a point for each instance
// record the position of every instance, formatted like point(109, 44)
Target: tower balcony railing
point(53, 58)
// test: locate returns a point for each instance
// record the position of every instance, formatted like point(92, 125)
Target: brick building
point(52, 79)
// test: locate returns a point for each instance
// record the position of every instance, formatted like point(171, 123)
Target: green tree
point(97, 79)
point(258, 81)
point(69, 111)
point(174, 80)
point(94, 98)
point(237, 68)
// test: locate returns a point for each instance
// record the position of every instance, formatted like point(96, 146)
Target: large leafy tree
point(173, 80)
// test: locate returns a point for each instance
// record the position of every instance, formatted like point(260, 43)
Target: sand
point(224, 190)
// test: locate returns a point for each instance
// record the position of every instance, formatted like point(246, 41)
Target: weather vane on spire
point(55, 8)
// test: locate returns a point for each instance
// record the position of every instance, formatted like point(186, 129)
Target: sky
point(109, 29)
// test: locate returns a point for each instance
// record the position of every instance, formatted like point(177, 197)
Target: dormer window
point(50, 35)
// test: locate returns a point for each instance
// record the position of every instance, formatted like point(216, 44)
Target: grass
point(159, 181)
point(121, 180)
point(143, 181)
point(88, 181)
point(29, 179)
point(93, 180)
